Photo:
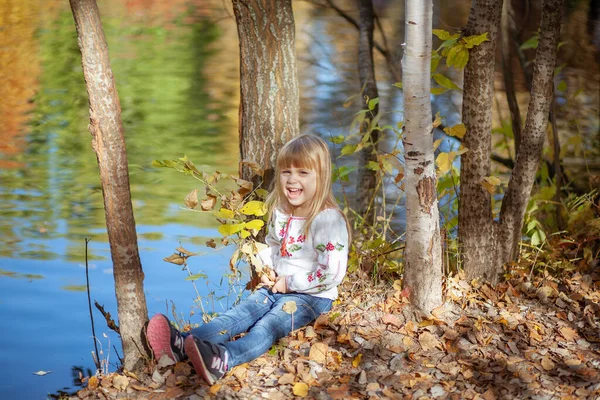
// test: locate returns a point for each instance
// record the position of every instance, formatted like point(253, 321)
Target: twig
point(109, 321)
point(87, 280)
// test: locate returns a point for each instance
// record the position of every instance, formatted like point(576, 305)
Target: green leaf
point(438, 90)
point(535, 239)
point(441, 34)
point(476, 40)
point(435, 61)
point(445, 82)
point(398, 85)
point(532, 43)
point(458, 56)
point(157, 163)
point(195, 277)
point(562, 86)
point(373, 166)
point(373, 103)
point(349, 149)
point(338, 139)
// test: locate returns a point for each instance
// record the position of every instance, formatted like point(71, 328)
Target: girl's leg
point(274, 325)
point(237, 319)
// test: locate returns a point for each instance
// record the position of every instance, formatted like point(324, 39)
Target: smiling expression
point(299, 186)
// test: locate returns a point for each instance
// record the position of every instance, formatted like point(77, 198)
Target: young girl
point(306, 258)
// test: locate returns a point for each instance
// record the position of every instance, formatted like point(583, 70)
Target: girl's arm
point(330, 240)
point(273, 243)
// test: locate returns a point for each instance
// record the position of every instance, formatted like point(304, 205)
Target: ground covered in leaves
point(526, 338)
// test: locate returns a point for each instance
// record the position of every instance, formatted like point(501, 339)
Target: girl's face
point(299, 186)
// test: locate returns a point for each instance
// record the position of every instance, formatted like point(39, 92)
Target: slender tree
point(367, 178)
point(269, 104)
point(108, 143)
point(485, 244)
point(423, 253)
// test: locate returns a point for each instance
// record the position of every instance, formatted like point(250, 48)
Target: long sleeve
point(267, 255)
point(329, 238)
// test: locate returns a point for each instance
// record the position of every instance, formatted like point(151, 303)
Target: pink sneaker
point(164, 339)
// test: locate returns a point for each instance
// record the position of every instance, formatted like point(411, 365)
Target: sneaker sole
point(191, 349)
point(159, 337)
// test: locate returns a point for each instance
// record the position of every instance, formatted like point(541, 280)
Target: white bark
point(423, 258)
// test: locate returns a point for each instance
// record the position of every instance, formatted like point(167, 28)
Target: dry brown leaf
point(286, 379)
point(547, 363)
point(120, 382)
point(318, 352)
point(208, 203)
point(191, 200)
point(211, 243)
point(428, 342)
point(391, 319)
point(568, 333)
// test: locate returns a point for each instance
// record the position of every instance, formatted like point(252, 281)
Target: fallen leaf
point(300, 389)
point(547, 363)
point(357, 360)
point(120, 382)
point(208, 203)
point(290, 307)
point(215, 388)
point(93, 383)
point(318, 352)
point(568, 333)
point(428, 342)
point(391, 319)
point(286, 379)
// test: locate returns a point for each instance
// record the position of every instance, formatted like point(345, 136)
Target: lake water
point(176, 67)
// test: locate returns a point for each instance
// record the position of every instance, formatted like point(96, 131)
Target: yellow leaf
point(490, 183)
point(230, 229)
point(437, 121)
point(290, 307)
point(300, 389)
point(225, 213)
point(215, 388)
point(244, 234)
point(444, 163)
point(357, 360)
point(458, 130)
point(254, 224)
point(254, 208)
point(437, 143)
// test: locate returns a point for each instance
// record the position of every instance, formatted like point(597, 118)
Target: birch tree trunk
point(530, 151)
point(475, 223)
point(367, 178)
point(423, 258)
point(270, 103)
point(108, 143)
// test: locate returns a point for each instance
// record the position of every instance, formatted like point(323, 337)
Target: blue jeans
point(261, 315)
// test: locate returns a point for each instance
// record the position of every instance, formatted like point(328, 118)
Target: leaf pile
point(534, 339)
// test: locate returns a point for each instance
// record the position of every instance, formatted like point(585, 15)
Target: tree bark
point(475, 222)
point(527, 162)
point(108, 143)
point(270, 103)
point(423, 258)
point(367, 178)
point(508, 40)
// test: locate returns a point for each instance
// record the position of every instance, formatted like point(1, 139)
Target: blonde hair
point(310, 152)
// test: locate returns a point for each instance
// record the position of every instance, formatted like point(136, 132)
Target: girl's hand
point(280, 286)
point(268, 276)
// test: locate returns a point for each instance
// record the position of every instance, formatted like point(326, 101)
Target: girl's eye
point(303, 172)
point(285, 172)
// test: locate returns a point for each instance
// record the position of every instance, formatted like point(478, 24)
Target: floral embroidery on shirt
point(329, 247)
point(319, 275)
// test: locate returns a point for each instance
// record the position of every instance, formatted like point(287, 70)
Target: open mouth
point(293, 193)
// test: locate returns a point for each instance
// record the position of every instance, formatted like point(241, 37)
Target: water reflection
point(176, 68)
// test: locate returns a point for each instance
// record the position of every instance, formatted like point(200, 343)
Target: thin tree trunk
point(109, 145)
point(475, 222)
point(527, 162)
point(423, 253)
point(270, 103)
point(367, 178)
point(508, 38)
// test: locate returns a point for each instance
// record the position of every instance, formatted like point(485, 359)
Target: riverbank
point(524, 338)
